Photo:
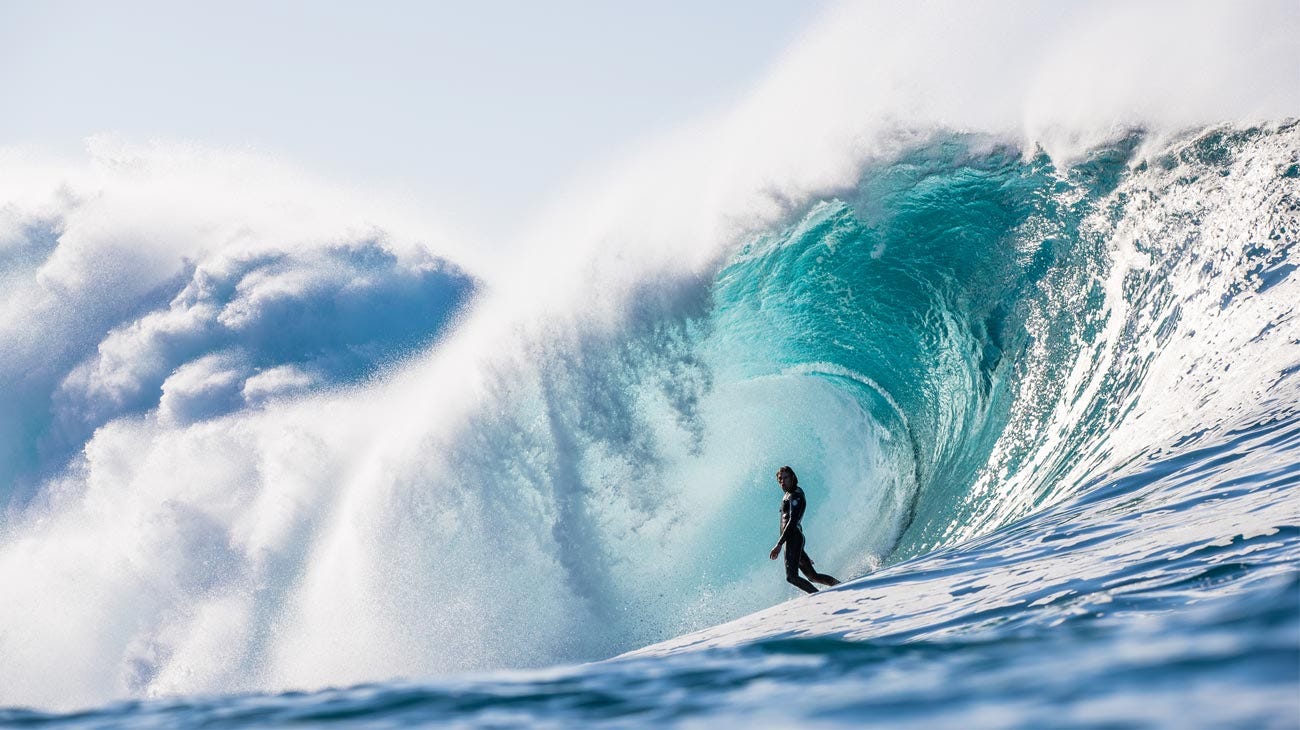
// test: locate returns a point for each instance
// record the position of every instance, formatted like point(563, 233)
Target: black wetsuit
point(793, 505)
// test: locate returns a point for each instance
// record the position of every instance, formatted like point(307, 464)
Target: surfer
point(793, 505)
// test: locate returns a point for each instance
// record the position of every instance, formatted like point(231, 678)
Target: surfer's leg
point(806, 565)
point(793, 550)
point(800, 582)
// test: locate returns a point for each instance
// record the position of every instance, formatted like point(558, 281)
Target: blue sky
point(481, 108)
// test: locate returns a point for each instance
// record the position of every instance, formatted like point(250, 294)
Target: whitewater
point(1016, 302)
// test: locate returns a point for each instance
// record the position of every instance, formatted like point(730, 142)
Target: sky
point(483, 109)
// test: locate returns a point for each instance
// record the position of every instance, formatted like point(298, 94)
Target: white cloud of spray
point(541, 469)
point(153, 259)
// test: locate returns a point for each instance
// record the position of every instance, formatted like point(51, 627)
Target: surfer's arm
point(784, 534)
point(796, 514)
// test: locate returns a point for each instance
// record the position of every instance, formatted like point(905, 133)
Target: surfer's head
point(786, 478)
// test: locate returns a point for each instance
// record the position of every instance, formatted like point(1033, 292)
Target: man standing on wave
point(793, 505)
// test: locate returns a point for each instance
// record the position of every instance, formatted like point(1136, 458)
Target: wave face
point(1011, 325)
point(1021, 395)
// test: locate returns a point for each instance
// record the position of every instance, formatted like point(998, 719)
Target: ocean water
point(1024, 323)
point(1047, 417)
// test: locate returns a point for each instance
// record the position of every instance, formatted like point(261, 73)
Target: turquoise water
point(1045, 412)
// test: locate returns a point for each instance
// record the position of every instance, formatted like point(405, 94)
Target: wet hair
point(788, 470)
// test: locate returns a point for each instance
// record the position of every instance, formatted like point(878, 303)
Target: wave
point(968, 336)
point(944, 331)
